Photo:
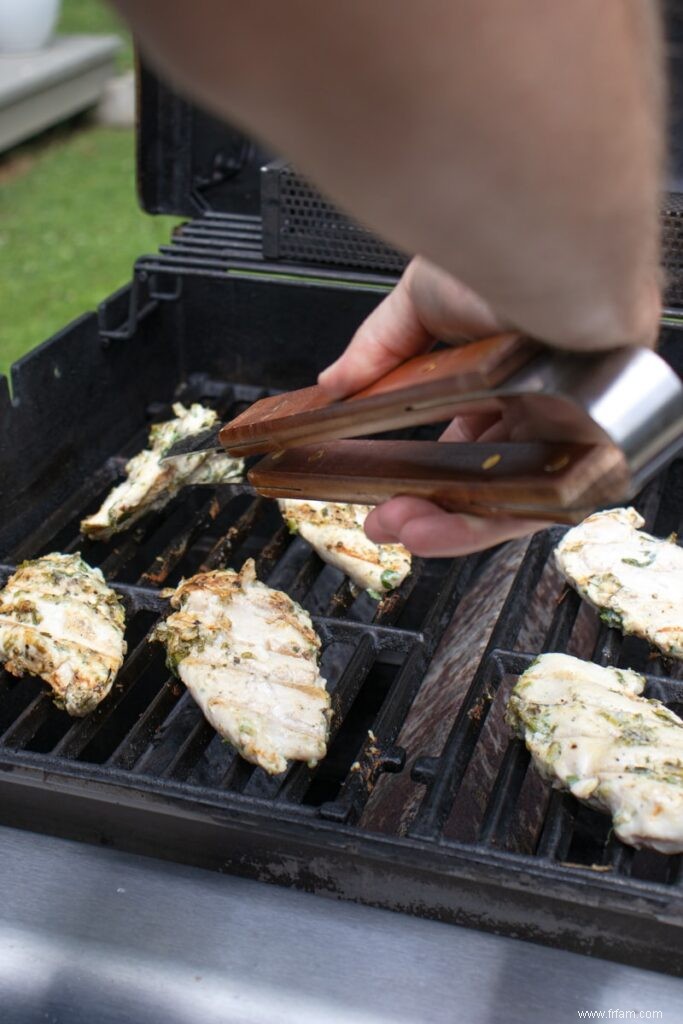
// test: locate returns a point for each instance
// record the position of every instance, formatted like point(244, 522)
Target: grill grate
point(373, 655)
point(515, 808)
point(481, 798)
point(268, 297)
point(216, 236)
point(217, 244)
point(490, 845)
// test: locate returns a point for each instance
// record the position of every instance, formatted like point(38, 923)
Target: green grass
point(70, 225)
point(95, 16)
point(70, 231)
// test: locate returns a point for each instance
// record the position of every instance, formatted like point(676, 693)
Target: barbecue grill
point(425, 803)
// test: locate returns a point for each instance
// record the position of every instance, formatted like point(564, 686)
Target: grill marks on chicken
point(59, 620)
point(633, 579)
point(249, 657)
point(151, 484)
point(590, 732)
point(335, 531)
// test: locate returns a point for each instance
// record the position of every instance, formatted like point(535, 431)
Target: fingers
point(426, 305)
point(390, 335)
point(430, 532)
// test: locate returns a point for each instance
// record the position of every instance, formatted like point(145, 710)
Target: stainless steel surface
point(629, 397)
point(92, 936)
point(205, 441)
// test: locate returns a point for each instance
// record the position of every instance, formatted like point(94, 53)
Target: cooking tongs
point(584, 431)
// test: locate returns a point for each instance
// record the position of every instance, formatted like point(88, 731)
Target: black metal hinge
point(146, 291)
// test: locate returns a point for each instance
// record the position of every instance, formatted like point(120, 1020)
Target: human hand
point(427, 304)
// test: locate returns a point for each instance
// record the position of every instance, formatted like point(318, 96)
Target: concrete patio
point(38, 90)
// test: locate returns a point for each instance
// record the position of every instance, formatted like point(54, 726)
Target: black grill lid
point(192, 164)
point(188, 162)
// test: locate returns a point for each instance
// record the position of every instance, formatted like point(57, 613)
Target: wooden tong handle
point(539, 480)
point(422, 390)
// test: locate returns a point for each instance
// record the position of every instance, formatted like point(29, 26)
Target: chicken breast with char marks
point(633, 579)
point(249, 657)
point(150, 484)
point(590, 731)
point(59, 620)
point(335, 532)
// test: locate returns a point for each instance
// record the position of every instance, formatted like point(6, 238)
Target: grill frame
point(320, 848)
point(458, 883)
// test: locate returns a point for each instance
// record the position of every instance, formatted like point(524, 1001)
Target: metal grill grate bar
point(170, 736)
point(378, 753)
point(25, 726)
point(352, 679)
point(466, 729)
point(190, 750)
point(168, 559)
point(222, 550)
point(74, 741)
point(133, 745)
point(506, 790)
point(558, 828)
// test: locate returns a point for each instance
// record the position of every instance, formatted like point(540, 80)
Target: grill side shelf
point(473, 886)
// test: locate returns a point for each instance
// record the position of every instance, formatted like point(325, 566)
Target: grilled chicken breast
point(335, 532)
point(589, 731)
point(150, 484)
point(249, 657)
point(633, 579)
point(59, 620)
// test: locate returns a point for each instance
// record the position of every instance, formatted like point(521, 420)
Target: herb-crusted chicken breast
point(59, 620)
point(249, 657)
point(335, 531)
point(151, 484)
point(589, 731)
point(633, 579)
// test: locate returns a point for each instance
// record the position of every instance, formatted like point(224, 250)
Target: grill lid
point(188, 162)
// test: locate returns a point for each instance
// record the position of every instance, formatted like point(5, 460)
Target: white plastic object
point(27, 25)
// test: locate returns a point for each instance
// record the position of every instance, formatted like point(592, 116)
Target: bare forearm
point(517, 143)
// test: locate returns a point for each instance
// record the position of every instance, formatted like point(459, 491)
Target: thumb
point(390, 335)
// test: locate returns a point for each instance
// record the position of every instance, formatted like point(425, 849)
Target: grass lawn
point(70, 230)
point(70, 225)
